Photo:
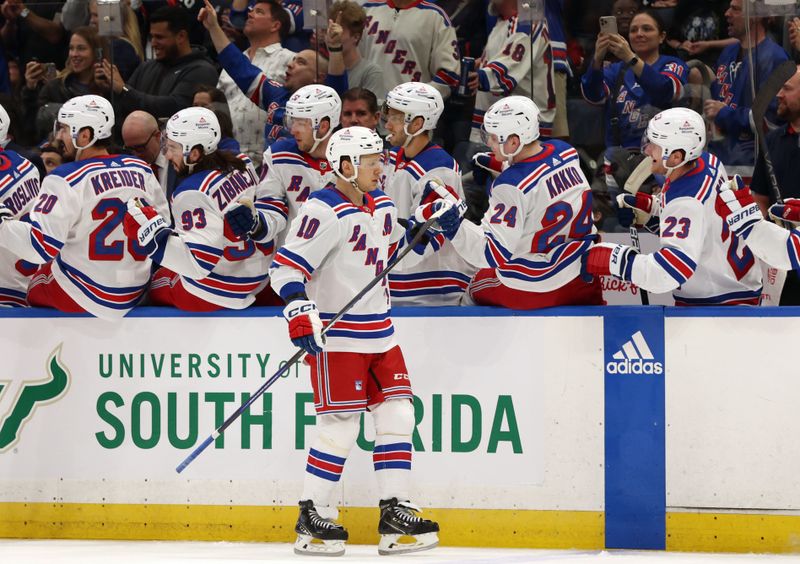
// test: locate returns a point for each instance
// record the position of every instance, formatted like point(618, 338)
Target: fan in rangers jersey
point(204, 267)
point(701, 261)
point(776, 246)
point(343, 237)
point(517, 60)
point(411, 113)
point(75, 228)
point(538, 224)
point(19, 186)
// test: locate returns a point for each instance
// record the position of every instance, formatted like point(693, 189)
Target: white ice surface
point(156, 552)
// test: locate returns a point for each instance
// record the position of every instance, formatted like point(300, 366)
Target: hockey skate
point(398, 520)
point(317, 535)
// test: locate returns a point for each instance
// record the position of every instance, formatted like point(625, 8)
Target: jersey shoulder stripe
point(430, 6)
point(698, 184)
point(199, 181)
point(285, 257)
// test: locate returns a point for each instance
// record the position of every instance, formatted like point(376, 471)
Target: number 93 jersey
point(213, 263)
point(77, 223)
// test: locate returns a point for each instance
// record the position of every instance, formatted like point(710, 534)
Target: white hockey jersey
point(417, 43)
point(333, 250)
point(77, 223)
point(212, 262)
point(700, 260)
point(19, 188)
point(538, 224)
point(510, 51)
point(288, 178)
point(442, 278)
point(776, 246)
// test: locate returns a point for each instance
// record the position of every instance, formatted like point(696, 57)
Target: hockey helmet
point(416, 99)
point(513, 115)
point(194, 126)
point(314, 102)
point(5, 122)
point(678, 129)
point(87, 111)
point(353, 143)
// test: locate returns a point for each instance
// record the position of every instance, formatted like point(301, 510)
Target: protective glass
point(489, 138)
point(389, 116)
point(170, 147)
point(297, 122)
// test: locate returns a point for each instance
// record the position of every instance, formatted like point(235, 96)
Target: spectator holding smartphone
point(637, 87)
point(76, 79)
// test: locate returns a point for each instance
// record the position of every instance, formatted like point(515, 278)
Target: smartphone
point(98, 55)
point(608, 24)
point(51, 71)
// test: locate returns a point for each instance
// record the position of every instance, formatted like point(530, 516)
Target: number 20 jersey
point(77, 223)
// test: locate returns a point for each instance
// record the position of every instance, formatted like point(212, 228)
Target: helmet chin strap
point(318, 140)
point(410, 136)
point(78, 148)
point(509, 156)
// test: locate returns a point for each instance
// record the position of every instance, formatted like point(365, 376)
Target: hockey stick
point(235, 415)
point(766, 93)
point(632, 185)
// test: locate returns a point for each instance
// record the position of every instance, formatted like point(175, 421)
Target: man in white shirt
point(267, 22)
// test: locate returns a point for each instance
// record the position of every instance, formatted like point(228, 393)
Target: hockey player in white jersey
point(204, 267)
point(775, 245)
point(293, 167)
point(344, 236)
point(517, 60)
point(701, 261)
point(538, 224)
point(411, 113)
point(75, 228)
point(19, 187)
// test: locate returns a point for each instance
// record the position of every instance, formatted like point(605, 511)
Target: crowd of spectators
point(596, 90)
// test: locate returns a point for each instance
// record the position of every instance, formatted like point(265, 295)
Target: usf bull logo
point(19, 398)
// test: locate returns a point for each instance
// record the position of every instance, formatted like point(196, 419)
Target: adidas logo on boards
point(634, 357)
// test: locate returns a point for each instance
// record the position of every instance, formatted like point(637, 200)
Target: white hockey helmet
point(678, 129)
point(87, 111)
point(194, 126)
point(416, 99)
point(513, 115)
point(353, 143)
point(5, 123)
point(314, 102)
